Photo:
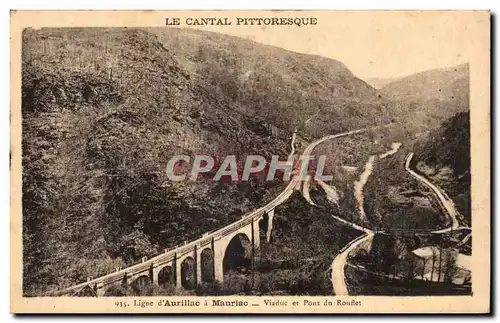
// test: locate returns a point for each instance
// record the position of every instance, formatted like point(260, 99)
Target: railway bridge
point(203, 260)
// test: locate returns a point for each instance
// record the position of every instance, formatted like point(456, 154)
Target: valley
point(105, 110)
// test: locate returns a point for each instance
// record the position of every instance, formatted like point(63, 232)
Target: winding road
point(444, 201)
point(338, 265)
point(340, 261)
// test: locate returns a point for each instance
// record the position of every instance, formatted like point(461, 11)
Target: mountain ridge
point(432, 96)
point(427, 84)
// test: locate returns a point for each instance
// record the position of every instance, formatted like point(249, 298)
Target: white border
point(184, 4)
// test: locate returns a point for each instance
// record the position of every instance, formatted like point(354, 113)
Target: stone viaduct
point(201, 260)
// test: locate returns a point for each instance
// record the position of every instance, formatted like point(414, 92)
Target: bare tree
point(434, 258)
point(450, 265)
point(440, 259)
point(424, 261)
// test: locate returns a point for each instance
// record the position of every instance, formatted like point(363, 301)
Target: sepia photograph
point(208, 156)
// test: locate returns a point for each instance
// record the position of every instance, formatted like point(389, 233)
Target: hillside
point(435, 106)
point(105, 109)
point(315, 94)
point(432, 96)
point(444, 156)
point(439, 101)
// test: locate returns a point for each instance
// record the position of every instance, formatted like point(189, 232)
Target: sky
point(381, 45)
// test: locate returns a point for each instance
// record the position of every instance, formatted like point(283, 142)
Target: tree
point(450, 265)
point(434, 256)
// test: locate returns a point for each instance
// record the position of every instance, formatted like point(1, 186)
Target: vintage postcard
point(250, 161)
